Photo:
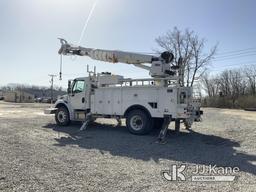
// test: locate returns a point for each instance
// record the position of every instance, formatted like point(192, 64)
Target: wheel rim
point(62, 116)
point(136, 122)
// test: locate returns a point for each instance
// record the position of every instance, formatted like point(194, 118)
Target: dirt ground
point(37, 155)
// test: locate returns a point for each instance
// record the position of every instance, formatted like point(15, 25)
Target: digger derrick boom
point(160, 65)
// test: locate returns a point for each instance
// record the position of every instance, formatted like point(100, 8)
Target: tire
point(62, 116)
point(158, 123)
point(139, 122)
point(188, 124)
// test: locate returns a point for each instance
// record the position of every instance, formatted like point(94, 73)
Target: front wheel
point(62, 116)
point(139, 122)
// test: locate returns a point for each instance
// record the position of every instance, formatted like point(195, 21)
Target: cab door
point(77, 97)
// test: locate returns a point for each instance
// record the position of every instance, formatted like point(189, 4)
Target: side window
point(78, 86)
point(183, 97)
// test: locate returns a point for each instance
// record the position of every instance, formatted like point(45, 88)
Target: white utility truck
point(144, 103)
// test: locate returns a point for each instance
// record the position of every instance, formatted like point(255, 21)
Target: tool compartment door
point(107, 101)
point(98, 106)
point(117, 102)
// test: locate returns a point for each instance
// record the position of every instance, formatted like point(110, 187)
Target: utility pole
point(51, 81)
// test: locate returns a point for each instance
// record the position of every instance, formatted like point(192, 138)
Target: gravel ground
point(37, 155)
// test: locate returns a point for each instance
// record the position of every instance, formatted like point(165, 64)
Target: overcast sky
point(30, 28)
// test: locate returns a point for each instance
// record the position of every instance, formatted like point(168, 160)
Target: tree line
point(37, 91)
point(234, 88)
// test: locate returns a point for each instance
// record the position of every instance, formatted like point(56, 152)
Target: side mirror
point(69, 87)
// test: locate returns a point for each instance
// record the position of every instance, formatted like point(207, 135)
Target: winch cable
point(60, 74)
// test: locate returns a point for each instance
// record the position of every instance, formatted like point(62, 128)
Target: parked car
point(38, 100)
point(46, 100)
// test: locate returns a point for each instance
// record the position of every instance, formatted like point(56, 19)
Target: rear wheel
point(62, 116)
point(139, 122)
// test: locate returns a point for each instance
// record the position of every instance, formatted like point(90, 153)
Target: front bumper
point(49, 111)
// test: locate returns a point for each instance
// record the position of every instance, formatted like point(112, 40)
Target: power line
point(246, 65)
point(51, 81)
point(241, 50)
point(242, 63)
point(235, 54)
point(234, 57)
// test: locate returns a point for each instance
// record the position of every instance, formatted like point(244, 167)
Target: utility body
point(144, 103)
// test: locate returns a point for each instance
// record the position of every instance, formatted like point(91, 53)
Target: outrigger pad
point(162, 135)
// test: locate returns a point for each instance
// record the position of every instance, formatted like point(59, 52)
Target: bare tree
point(250, 74)
point(211, 85)
point(232, 84)
point(190, 48)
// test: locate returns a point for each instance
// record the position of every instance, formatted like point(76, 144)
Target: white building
point(18, 97)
